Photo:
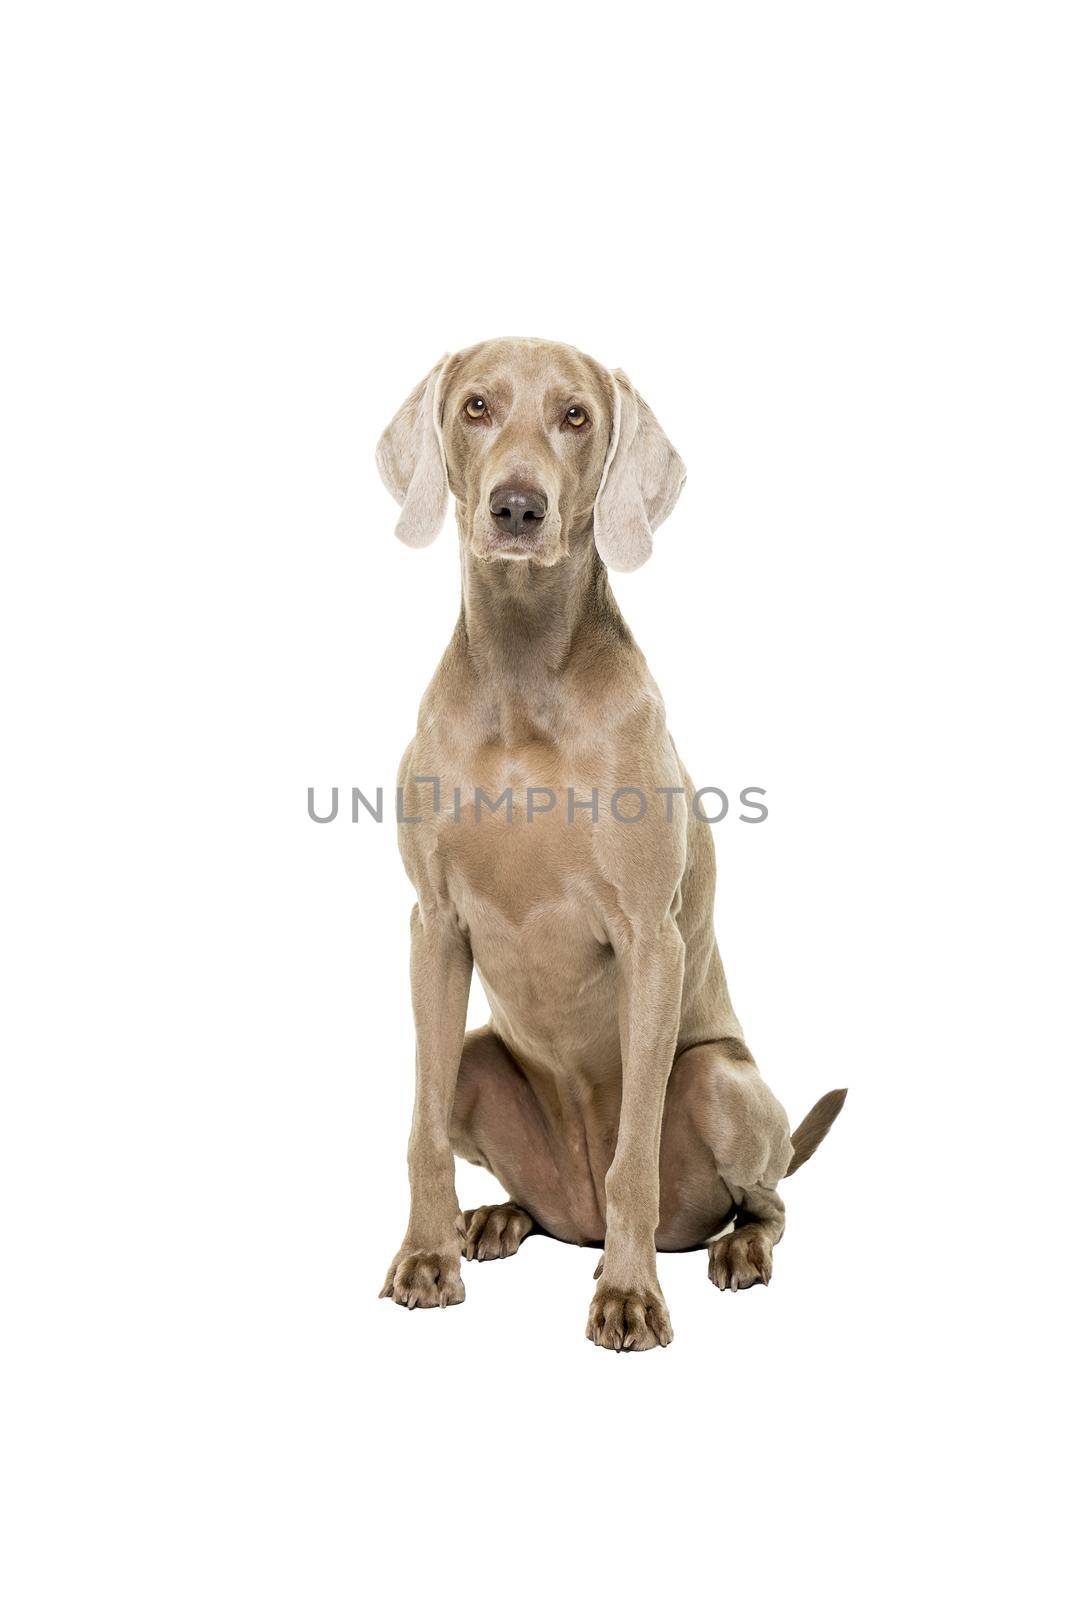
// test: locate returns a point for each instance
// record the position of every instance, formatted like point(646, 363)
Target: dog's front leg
point(628, 1310)
point(425, 1270)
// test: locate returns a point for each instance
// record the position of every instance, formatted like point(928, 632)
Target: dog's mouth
point(535, 555)
point(537, 542)
point(499, 545)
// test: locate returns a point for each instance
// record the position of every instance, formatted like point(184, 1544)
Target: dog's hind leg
point(494, 1232)
point(720, 1111)
point(743, 1257)
point(735, 1139)
point(496, 1124)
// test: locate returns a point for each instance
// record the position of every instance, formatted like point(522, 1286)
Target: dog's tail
point(816, 1125)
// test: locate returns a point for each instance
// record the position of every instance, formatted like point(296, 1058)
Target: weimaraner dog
point(549, 830)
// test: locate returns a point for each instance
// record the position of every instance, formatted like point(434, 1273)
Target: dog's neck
point(524, 629)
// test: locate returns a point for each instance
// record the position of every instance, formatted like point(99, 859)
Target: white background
point(826, 241)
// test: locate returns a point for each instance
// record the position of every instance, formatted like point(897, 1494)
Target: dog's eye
point(576, 417)
point(475, 407)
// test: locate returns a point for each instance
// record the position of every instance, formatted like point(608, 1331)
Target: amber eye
point(475, 406)
point(576, 417)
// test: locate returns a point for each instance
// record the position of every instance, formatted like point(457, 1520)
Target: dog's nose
point(516, 509)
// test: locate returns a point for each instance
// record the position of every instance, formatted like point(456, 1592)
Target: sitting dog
point(611, 1093)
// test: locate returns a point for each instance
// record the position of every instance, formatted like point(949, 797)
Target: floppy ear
point(411, 460)
point(643, 477)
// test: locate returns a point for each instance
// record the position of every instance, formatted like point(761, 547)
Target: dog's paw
point(740, 1259)
point(628, 1319)
point(424, 1278)
point(493, 1232)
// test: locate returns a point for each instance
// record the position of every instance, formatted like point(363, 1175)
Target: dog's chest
point(527, 890)
point(511, 844)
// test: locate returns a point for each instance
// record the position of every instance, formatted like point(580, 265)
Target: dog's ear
point(411, 460)
point(643, 477)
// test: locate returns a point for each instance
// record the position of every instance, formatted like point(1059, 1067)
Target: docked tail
point(816, 1125)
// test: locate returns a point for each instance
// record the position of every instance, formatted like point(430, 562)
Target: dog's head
point(542, 448)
